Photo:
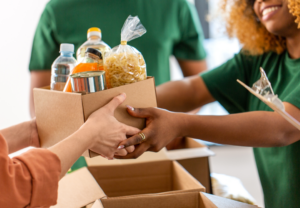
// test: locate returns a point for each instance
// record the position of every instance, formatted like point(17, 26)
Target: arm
point(21, 135)
point(101, 132)
point(37, 79)
point(191, 67)
point(183, 95)
point(24, 178)
point(255, 129)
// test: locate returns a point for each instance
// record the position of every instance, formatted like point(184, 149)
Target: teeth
point(268, 10)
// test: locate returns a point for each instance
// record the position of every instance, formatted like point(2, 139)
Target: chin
point(275, 29)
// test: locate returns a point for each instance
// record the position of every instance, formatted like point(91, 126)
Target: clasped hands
point(108, 137)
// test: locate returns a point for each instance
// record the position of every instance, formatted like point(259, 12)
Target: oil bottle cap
point(94, 51)
point(67, 47)
point(94, 31)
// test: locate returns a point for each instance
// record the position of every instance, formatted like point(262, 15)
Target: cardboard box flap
point(189, 153)
point(77, 190)
point(182, 180)
point(94, 101)
point(97, 204)
point(178, 200)
point(226, 203)
point(167, 200)
point(52, 125)
point(205, 202)
point(189, 148)
point(146, 157)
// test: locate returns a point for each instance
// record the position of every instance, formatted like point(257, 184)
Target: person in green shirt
point(173, 28)
point(269, 33)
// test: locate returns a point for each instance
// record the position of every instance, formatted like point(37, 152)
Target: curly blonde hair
point(241, 22)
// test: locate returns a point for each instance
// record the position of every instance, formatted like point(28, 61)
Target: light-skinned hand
point(106, 131)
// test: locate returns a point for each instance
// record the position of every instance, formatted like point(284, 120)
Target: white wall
point(18, 20)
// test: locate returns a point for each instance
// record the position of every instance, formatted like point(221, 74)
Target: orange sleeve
point(28, 180)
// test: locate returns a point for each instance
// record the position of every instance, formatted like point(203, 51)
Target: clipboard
point(283, 113)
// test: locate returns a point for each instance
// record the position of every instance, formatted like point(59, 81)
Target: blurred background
point(19, 19)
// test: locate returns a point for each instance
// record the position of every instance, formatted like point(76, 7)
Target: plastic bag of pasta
point(124, 64)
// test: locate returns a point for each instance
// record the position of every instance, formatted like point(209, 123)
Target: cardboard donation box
point(59, 114)
point(193, 156)
point(113, 184)
point(183, 200)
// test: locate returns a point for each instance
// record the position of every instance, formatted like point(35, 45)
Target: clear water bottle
point(62, 67)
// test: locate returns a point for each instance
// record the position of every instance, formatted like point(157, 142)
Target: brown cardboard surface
point(143, 178)
point(146, 157)
point(59, 114)
point(77, 189)
point(182, 200)
point(139, 95)
point(192, 149)
point(193, 156)
point(226, 203)
point(97, 204)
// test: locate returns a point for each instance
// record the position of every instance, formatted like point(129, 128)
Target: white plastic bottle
point(62, 67)
point(94, 41)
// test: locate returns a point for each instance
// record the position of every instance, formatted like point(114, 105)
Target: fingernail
point(130, 108)
point(121, 147)
point(123, 94)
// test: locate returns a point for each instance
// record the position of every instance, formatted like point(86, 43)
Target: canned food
point(88, 82)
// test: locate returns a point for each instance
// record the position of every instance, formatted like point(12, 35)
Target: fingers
point(134, 140)
point(138, 152)
point(131, 130)
point(124, 152)
point(140, 112)
point(115, 102)
point(121, 152)
point(130, 149)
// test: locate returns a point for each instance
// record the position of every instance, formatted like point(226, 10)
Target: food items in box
point(89, 63)
point(124, 64)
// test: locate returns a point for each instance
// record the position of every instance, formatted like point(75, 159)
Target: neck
point(293, 45)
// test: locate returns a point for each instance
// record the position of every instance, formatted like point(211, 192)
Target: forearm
point(18, 136)
point(70, 149)
point(183, 95)
point(255, 129)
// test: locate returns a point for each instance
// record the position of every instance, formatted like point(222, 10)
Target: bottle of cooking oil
point(94, 41)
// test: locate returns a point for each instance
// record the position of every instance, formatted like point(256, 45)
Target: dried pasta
point(124, 68)
point(124, 64)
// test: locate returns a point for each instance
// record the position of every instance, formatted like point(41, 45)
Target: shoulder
point(261, 58)
point(56, 4)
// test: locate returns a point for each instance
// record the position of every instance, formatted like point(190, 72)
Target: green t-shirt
point(278, 167)
point(172, 27)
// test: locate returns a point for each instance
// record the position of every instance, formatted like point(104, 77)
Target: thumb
point(140, 112)
point(115, 102)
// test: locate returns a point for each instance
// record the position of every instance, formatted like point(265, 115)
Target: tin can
point(88, 82)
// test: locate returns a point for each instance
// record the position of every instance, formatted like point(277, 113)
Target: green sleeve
point(45, 47)
point(293, 97)
point(190, 46)
point(221, 83)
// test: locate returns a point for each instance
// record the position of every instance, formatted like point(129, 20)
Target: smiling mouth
point(269, 10)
